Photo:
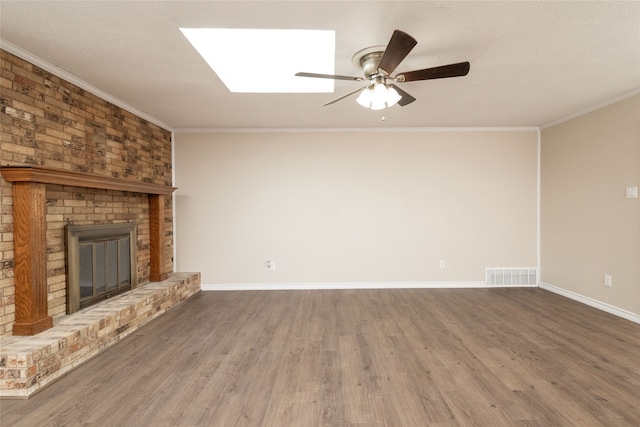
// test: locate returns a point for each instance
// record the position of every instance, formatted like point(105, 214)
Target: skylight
point(265, 61)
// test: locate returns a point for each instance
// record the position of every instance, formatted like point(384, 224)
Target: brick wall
point(50, 122)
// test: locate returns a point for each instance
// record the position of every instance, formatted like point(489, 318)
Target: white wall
point(354, 207)
point(588, 226)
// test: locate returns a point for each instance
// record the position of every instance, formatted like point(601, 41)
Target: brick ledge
point(27, 364)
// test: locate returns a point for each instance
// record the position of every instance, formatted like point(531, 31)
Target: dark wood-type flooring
point(410, 357)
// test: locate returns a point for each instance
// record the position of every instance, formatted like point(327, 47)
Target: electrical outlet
point(441, 264)
point(632, 192)
point(270, 265)
point(607, 280)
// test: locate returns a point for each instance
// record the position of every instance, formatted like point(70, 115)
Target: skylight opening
point(265, 61)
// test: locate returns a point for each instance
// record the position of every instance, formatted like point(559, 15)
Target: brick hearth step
point(29, 363)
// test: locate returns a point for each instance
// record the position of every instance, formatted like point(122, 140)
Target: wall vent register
point(511, 276)
point(101, 262)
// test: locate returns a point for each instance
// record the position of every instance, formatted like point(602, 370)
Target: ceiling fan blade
point(405, 97)
point(444, 71)
point(398, 48)
point(329, 76)
point(343, 96)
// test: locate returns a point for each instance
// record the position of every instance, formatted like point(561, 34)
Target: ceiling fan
point(378, 63)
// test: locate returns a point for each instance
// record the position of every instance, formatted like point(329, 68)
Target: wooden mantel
point(79, 179)
point(30, 231)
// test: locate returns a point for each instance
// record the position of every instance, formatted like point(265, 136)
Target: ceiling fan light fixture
point(365, 97)
point(378, 105)
point(392, 97)
point(380, 92)
point(378, 96)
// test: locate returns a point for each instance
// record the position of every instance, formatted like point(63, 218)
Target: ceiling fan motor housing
point(369, 63)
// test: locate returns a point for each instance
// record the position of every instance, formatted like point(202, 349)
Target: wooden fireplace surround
point(30, 234)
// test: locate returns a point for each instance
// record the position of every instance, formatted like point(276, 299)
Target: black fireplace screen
point(105, 268)
point(101, 263)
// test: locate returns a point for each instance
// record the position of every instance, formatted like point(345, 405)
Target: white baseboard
point(633, 317)
point(416, 285)
point(345, 285)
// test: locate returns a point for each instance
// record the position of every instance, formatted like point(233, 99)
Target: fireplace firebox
point(101, 262)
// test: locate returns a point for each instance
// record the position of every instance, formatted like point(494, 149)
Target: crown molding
point(39, 62)
point(360, 130)
point(590, 109)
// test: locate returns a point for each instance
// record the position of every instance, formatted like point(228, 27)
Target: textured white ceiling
point(532, 63)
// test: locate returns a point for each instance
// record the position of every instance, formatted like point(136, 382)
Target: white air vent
point(511, 276)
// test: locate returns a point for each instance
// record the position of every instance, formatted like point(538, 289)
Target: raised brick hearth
point(27, 364)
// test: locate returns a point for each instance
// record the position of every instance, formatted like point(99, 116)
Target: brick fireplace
point(69, 157)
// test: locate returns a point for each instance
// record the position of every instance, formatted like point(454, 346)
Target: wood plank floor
point(414, 357)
